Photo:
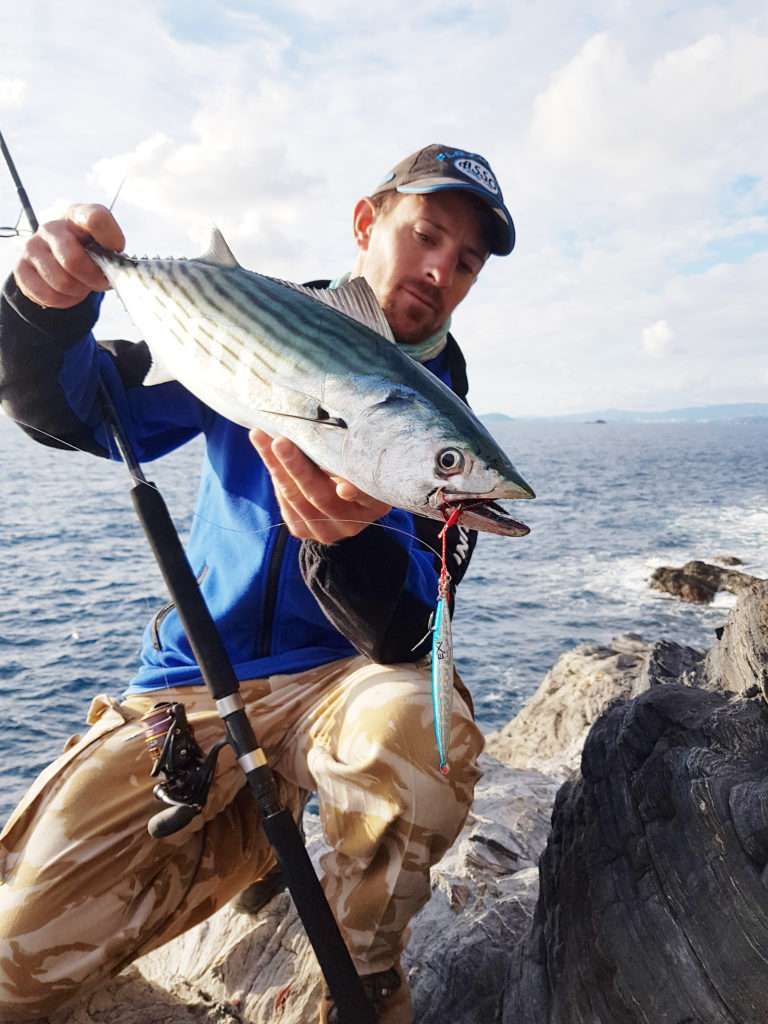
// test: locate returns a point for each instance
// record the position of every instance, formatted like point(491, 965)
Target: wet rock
point(698, 582)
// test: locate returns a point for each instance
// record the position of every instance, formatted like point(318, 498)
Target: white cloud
point(12, 92)
point(631, 145)
point(657, 339)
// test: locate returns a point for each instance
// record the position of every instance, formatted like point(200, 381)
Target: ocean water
point(614, 501)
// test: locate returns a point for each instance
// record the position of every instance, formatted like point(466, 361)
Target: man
point(324, 619)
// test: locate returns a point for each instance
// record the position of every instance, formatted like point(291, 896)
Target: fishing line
point(117, 194)
point(14, 232)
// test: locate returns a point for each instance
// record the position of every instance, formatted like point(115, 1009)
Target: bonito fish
point(321, 368)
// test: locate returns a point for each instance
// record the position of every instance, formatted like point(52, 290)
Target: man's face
point(421, 256)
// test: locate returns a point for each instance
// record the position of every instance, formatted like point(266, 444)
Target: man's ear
point(362, 222)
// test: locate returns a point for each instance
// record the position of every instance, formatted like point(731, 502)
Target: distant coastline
point(692, 414)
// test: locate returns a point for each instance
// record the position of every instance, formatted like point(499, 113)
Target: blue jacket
point(281, 605)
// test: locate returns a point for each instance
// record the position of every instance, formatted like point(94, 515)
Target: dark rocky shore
point(613, 870)
point(699, 582)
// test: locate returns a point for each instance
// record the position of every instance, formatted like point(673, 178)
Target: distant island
point(693, 414)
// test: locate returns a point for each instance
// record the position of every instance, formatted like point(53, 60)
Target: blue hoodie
point(281, 605)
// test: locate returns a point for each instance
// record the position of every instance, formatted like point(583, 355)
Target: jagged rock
point(739, 660)
point(670, 662)
point(651, 906)
point(484, 894)
point(653, 883)
point(549, 731)
point(698, 582)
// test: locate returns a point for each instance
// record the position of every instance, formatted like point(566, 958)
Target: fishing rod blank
point(216, 669)
point(21, 191)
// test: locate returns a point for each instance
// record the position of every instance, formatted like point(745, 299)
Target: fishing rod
point(169, 739)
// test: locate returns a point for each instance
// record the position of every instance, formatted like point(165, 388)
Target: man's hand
point(315, 505)
point(55, 268)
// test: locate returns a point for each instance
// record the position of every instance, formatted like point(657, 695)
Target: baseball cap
point(439, 167)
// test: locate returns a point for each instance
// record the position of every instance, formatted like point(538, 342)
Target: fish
point(322, 368)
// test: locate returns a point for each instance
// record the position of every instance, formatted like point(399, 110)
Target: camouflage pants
point(84, 890)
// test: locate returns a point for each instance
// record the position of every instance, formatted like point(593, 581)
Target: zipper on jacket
point(162, 613)
point(270, 591)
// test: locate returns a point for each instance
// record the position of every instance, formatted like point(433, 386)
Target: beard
point(414, 311)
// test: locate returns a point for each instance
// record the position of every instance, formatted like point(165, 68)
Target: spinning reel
point(187, 773)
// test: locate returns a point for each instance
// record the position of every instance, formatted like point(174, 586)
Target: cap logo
point(478, 173)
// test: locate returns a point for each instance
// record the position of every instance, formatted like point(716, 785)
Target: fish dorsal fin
point(218, 252)
point(356, 299)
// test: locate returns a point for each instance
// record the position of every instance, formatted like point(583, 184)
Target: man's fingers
point(37, 290)
point(96, 222)
point(55, 268)
point(293, 506)
point(309, 498)
point(302, 477)
point(67, 250)
point(263, 444)
point(56, 276)
point(348, 492)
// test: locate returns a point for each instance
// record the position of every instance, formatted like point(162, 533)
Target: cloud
point(630, 144)
point(216, 172)
point(658, 338)
point(12, 92)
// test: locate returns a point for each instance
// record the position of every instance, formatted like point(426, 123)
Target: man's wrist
point(344, 544)
point(65, 325)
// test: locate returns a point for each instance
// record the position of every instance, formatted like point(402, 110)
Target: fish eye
point(450, 461)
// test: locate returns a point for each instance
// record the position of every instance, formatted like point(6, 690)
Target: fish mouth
point(487, 516)
point(479, 513)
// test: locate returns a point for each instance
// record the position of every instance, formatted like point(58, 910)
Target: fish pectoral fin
point(322, 417)
point(218, 252)
point(157, 374)
point(355, 299)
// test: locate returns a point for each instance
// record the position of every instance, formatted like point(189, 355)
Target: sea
point(614, 501)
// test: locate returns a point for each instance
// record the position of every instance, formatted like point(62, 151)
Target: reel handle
point(170, 820)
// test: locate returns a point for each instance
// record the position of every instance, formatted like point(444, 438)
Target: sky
point(630, 140)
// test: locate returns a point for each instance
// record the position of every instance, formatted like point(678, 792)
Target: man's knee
point(389, 731)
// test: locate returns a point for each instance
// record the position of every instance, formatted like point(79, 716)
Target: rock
point(653, 883)
point(698, 582)
point(669, 662)
point(549, 731)
point(727, 560)
point(738, 662)
point(484, 894)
